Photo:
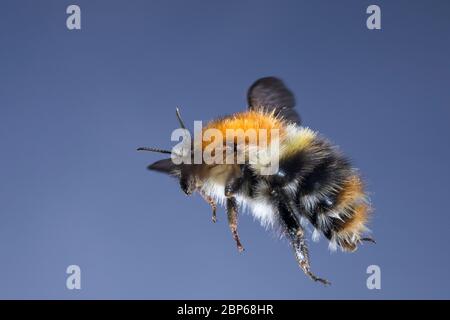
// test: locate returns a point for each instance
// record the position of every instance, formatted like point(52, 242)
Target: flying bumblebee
point(314, 182)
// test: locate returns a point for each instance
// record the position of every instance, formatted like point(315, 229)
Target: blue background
point(74, 105)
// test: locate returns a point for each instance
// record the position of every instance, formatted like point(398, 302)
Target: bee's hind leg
point(302, 255)
point(295, 233)
point(232, 213)
point(212, 203)
point(368, 239)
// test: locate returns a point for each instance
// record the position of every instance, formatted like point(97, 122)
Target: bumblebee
point(314, 184)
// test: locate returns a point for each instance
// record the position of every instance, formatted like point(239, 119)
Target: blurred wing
point(270, 93)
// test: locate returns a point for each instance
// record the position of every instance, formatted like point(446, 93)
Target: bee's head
point(188, 181)
point(184, 172)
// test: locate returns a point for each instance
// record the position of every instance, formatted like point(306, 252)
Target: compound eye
point(186, 186)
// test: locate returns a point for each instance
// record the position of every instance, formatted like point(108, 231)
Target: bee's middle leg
point(232, 213)
point(233, 186)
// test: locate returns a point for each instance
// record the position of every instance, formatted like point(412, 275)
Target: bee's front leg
point(212, 203)
point(232, 213)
